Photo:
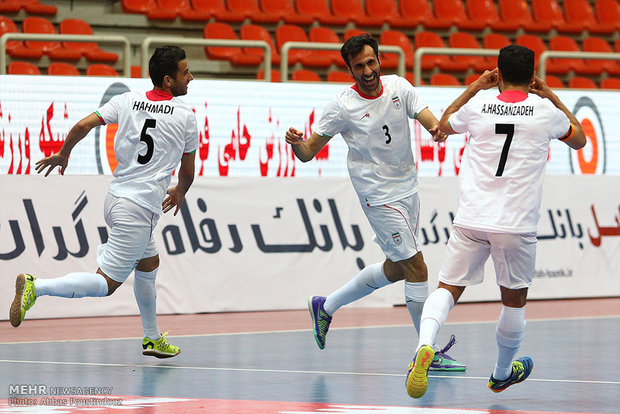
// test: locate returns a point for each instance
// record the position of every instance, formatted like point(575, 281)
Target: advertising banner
point(251, 243)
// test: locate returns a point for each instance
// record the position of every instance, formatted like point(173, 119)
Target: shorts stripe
point(406, 221)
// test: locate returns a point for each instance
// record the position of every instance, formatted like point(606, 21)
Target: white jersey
point(154, 130)
point(504, 165)
point(376, 130)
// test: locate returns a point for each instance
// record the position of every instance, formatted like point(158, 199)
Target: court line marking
point(285, 371)
point(308, 330)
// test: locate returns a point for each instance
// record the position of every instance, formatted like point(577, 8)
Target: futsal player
point(373, 118)
point(156, 131)
point(501, 189)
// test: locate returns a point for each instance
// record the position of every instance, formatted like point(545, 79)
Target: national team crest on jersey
point(396, 102)
point(396, 238)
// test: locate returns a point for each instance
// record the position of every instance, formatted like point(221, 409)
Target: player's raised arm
point(305, 149)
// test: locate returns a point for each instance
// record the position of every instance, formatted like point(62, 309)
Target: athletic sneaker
point(160, 348)
point(521, 369)
point(320, 319)
point(417, 380)
point(444, 362)
point(25, 297)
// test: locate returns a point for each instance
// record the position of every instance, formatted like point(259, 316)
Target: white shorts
point(130, 237)
point(514, 258)
point(396, 227)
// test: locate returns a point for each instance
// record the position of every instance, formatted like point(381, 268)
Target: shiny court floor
point(362, 370)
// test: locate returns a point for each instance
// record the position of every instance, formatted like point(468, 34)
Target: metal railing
point(417, 57)
point(116, 39)
point(160, 40)
point(550, 54)
point(287, 46)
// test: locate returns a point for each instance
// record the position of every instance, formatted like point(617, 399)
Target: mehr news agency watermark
point(28, 395)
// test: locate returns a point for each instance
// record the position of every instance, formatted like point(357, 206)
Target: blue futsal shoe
point(521, 369)
point(320, 319)
point(444, 362)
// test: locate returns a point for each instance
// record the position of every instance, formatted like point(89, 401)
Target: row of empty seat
point(29, 6)
point(60, 69)
point(572, 16)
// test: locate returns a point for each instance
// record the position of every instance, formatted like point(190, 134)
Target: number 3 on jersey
point(148, 140)
point(509, 131)
point(387, 134)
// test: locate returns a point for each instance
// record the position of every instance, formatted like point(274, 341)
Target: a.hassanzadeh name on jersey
point(499, 109)
point(152, 107)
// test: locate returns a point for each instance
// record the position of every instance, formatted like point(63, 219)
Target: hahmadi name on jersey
point(499, 109)
point(152, 107)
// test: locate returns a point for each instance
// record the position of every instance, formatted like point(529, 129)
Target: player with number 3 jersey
point(156, 131)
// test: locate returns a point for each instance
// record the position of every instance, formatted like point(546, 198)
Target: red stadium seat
point(352, 32)
point(275, 75)
point(471, 78)
point(62, 69)
point(353, 10)
point(285, 11)
point(579, 82)
point(339, 76)
point(549, 11)
point(291, 33)
point(494, 41)
point(610, 83)
point(554, 82)
point(396, 38)
point(517, 12)
point(608, 12)
point(387, 11)
point(168, 9)
point(235, 55)
point(305, 75)
point(565, 43)
point(536, 44)
point(420, 12)
point(188, 12)
point(444, 62)
point(256, 32)
point(468, 41)
point(23, 68)
point(16, 48)
point(137, 6)
point(90, 51)
point(10, 6)
point(444, 79)
point(579, 12)
point(100, 69)
point(250, 9)
point(486, 11)
point(54, 50)
point(454, 11)
point(215, 9)
point(597, 44)
point(326, 35)
point(136, 71)
point(34, 7)
point(319, 10)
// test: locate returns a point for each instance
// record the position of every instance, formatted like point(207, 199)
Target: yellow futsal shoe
point(25, 297)
point(417, 380)
point(159, 348)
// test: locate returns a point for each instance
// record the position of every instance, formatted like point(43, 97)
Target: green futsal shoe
point(25, 297)
point(159, 348)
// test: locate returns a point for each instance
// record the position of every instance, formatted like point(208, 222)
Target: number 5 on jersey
point(148, 140)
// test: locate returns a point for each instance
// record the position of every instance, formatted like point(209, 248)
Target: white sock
point(144, 290)
point(415, 296)
point(435, 313)
point(509, 334)
point(367, 281)
point(73, 285)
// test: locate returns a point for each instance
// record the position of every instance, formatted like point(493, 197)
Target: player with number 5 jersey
point(156, 131)
point(373, 118)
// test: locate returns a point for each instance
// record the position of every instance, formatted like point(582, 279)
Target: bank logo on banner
point(591, 159)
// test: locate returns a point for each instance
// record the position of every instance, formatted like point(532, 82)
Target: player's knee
point(112, 285)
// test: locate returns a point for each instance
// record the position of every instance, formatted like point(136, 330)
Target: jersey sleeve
point(108, 113)
point(459, 120)
point(331, 121)
point(414, 104)
point(191, 134)
point(558, 123)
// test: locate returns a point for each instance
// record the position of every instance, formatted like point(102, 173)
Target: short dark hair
point(516, 64)
point(165, 61)
point(355, 45)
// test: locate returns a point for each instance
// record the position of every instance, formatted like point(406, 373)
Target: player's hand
point(294, 136)
point(174, 199)
point(438, 134)
point(540, 88)
point(487, 80)
point(51, 162)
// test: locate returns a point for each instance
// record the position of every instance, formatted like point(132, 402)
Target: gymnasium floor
point(268, 362)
